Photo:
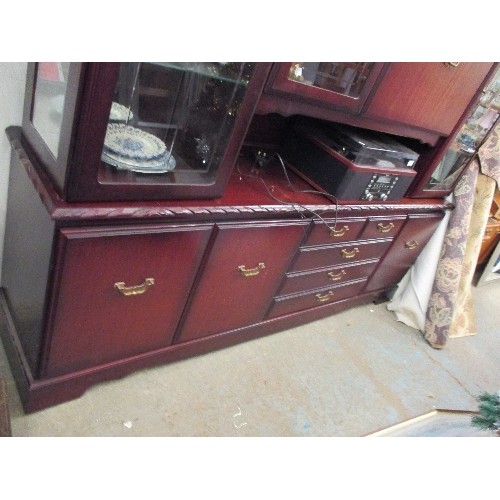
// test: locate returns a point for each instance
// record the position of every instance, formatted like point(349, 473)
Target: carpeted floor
point(5, 430)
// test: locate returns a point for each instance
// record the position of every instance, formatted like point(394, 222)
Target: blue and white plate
point(131, 142)
point(163, 164)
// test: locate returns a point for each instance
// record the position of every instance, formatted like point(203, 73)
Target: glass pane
point(173, 119)
point(469, 139)
point(48, 102)
point(344, 78)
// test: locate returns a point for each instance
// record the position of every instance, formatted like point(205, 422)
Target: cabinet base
point(37, 394)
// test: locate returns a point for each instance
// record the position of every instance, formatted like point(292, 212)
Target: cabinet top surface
point(252, 192)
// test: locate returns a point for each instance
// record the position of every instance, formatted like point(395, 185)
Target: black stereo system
point(349, 163)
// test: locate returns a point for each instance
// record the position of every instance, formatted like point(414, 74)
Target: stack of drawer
point(334, 262)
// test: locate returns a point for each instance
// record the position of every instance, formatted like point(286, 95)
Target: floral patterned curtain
point(450, 310)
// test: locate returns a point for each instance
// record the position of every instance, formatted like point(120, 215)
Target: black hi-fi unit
point(349, 163)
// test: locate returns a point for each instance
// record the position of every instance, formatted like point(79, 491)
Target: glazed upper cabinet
point(138, 131)
point(339, 84)
point(418, 100)
point(444, 170)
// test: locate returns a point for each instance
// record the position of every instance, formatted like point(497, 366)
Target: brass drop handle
point(324, 297)
point(336, 277)
point(349, 254)
point(451, 64)
point(251, 272)
point(384, 229)
point(411, 245)
point(128, 291)
point(337, 233)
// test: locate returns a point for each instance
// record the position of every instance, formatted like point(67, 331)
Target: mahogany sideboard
point(109, 271)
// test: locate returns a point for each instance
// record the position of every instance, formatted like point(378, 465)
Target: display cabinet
point(418, 100)
point(152, 215)
point(134, 131)
point(445, 168)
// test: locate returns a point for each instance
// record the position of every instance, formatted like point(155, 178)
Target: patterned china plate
point(132, 142)
point(165, 163)
point(120, 113)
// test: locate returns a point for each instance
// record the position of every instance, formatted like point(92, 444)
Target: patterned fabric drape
point(450, 311)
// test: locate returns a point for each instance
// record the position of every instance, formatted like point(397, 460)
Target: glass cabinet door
point(48, 102)
point(468, 140)
point(342, 84)
point(171, 123)
point(140, 130)
point(343, 78)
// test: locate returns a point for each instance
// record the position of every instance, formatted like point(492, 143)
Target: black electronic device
point(350, 163)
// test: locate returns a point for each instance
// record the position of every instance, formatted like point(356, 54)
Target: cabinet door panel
point(245, 268)
point(431, 95)
point(412, 239)
point(93, 321)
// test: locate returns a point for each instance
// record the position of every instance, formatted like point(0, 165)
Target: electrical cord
point(297, 206)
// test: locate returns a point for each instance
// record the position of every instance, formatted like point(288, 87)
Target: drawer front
point(406, 247)
point(326, 256)
point(343, 230)
point(246, 265)
point(298, 302)
point(382, 227)
point(308, 280)
point(121, 292)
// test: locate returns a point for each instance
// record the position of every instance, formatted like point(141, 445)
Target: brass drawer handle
point(326, 297)
point(336, 277)
point(337, 233)
point(451, 64)
point(349, 254)
point(384, 229)
point(251, 272)
point(134, 290)
point(411, 245)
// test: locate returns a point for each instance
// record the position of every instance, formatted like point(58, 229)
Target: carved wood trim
point(63, 211)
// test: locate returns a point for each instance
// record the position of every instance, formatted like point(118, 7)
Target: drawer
point(326, 256)
point(308, 280)
point(382, 227)
point(298, 302)
point(120, 292)
point(343, 230)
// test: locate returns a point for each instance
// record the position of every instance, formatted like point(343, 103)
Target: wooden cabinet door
point(120, 292)
point(431, 96)
point(404, 251)
point(243, 272)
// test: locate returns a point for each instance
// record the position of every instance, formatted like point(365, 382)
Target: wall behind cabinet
point(12, 84)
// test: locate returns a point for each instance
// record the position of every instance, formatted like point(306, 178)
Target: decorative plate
point(120, 113)
point(132, 142)
point(165, 163)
